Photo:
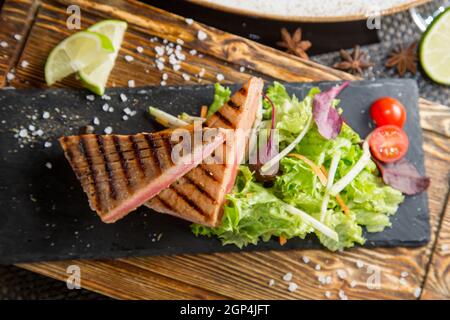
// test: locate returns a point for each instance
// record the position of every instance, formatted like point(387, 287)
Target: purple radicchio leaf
point(403, 176)
point(328, 120)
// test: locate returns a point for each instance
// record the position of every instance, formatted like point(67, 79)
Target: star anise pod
point(294, 44)
point(403, 59)
point(353, 63)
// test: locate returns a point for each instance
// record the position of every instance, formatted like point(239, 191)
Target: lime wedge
point(95, 76)
point(75, 53)
point(434, 50)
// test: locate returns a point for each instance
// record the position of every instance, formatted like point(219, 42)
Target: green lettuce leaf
point(221, 95)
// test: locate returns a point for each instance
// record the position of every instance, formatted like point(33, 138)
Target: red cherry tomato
point(388, 110)
point(388, 143)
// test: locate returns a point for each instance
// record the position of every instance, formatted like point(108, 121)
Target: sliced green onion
point(330, 179)
point(190, 119)
point(166, 119)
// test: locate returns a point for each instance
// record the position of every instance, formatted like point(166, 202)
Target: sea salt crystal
point(90, 97)
point(10, 76)
point(18, 37)
point(180, 56)
point(201, 35)
point(39, 132)
point(318, 267)
point(106, 97)
point(359, 264)
point(220, 77)
point(353, 283)
point(271, 283)
point(444, 248)
point(305, 259)
point(292, 287)
point(159, 50)
point(129, 58)
point(24, 64)
point(131, 83)
point(4, 44)
point(105, 107)
point(342, 295)
point(404, 274)
point(108, 130)
point(403, 281)
point(242, 69)
point(47, 144)
point(328, 279)
point(163, 83)
point(124, 117)
point(180, 41)
point(193, 52)
point(139, 49)
point(23, 133)
point(417, 292)
point(159, 65)
point(176, 67)
point(96, 121)
point(48, 165)
point(186, 77)
point(287, 276)
point(111, 109)
point(189, 21)
point(328, 294)
point(46, 115)
point(341, 273)
point(202, 72)
point(165, 76)
point(31, 127)
point(123, 97)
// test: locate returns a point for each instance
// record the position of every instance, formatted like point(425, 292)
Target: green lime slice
point(75, 53)
point(434, 50)
point(95, 76)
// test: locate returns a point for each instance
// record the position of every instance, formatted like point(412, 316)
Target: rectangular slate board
point(44, 215)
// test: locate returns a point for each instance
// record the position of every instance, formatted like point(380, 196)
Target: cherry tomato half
point(388, 110)
point(388, 143)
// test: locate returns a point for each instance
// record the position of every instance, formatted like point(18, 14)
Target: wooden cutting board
point(41, 24)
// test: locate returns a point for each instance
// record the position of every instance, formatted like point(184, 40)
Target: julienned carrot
point(203, 111)
point(282, 240)
point(322, 174)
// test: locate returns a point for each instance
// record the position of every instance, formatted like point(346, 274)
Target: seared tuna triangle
point(200, 194)
point(120, 173)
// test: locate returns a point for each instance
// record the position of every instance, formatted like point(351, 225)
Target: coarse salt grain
point(111, 109)
point(123, 97)
point(106, 97)
point(403, 281)
point(165, 76)
point(47, 144)
point(305, 259)
point(341, 273)
point(328, 279)
point(129, 58)
point(444, 248)
point(287, 276)
point(24, 64)
point(46, 115)
point(271, 283)
point(242, 69)
point(124, 117)
point(108, 130)
point(220, 77)
point(4, 44)
point(159, 65)
point(159, 50)
point(202, 72)
point(353, 283)
point(96, 121)
point(105, 107)
point(201, 35)
point(23, 133)
point(342, 295)
point(176, 67)
point(10, 76)
point(317, 267)
point(131, 83)
point(404, 274)
point(18, 37)
point(163, 83)
point(180, 41)
point(189, 21)
point(328, 294)
point(359, 264)
point(48, 165)
point(193, 52)
point(292, 287)
point(90, 97)
point(127, 110)
point(139, 49)
point(31, 127)
point(417, 292)
point(186, 77)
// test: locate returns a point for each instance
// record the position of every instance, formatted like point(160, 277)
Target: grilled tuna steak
point(120, 173)
point(199, 195)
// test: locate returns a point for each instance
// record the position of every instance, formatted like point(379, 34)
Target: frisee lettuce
point(221, 95)
point(256, 213)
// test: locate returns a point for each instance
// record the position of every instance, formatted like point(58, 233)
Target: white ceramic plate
point(311, 10)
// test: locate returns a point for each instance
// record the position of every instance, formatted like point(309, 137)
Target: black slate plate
point(45, 215)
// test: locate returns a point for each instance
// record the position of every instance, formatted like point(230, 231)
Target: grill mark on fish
point(224, 119)
point(191, 203)
point(165, 203)
point(137, 154)
point(108, 168)
point(86, 154)
point(233, 105)
point(153, 148)
point(200, 188)
point(123, 163)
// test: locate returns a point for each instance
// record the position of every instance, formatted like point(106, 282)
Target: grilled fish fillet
point(121, 172)
point(199, 195)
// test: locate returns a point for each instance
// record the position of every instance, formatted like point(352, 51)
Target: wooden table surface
point(40, 25)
